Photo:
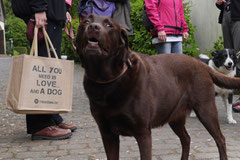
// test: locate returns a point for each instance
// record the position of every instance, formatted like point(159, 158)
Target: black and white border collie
point(223, 61)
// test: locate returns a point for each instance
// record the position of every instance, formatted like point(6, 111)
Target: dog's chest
point(120, 124)
point(120, 130)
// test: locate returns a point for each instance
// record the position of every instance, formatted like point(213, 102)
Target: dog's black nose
point(229, 63)
point(94, 27)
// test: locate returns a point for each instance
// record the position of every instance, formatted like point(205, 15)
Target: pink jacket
point(69, 2)
point(168, 16)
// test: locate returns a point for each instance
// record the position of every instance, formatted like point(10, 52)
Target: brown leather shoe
point(70, 126)
point(52, 133)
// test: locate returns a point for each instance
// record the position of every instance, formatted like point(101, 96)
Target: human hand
point(69, 17)
point(162, 36)
point(40, 19)
point(219, 2)
point(185, 35)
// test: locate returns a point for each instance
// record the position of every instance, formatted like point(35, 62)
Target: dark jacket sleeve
point(220, 6)
point(67, 7)
point(235, 10)
point(38, 5)
point(55, 9)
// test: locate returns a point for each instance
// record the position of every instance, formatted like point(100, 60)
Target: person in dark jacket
point(54, 14)
point(229, 18)
point(122, 14)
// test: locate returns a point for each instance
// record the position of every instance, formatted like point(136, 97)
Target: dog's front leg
point(111, 144)
point(227, 101)
point(144, 140)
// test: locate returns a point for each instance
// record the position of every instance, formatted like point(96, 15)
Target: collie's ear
point(124, 37)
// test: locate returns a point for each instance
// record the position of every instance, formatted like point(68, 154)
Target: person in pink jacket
point(170, 27)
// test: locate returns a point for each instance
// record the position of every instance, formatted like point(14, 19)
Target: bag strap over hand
point(50, 43)
point(34, 48)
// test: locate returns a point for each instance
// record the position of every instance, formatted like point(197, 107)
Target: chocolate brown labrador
point(131, 93)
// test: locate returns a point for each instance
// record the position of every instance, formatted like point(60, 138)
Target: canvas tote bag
point(40, 85)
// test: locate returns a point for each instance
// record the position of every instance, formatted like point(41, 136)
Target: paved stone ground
point(86, 143)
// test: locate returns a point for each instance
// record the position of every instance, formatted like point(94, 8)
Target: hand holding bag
point(40, 85)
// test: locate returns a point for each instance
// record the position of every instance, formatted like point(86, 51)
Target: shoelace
point(51, 128)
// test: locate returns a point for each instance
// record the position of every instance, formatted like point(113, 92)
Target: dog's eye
point(108, 25)
point(86, 22)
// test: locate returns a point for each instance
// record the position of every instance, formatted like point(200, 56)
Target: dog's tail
point(203, 56)
point(224, 81)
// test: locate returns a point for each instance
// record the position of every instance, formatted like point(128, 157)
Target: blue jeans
point(169, 47)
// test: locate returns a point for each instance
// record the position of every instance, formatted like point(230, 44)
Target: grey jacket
point(122, 15)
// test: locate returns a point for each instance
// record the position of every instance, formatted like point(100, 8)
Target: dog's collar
point(125, 68)
point(126, 65)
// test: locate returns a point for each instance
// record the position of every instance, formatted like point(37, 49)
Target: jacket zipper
point(175, 12)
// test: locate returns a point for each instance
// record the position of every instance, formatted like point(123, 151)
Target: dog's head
point(225, 59)
point(101, 43)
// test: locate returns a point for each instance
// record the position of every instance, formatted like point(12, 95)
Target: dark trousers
point(37, 122)
point(231, 34)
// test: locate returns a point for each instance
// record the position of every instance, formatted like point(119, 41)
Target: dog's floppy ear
point(124, 37)
point(214, 53)
point(78, 42)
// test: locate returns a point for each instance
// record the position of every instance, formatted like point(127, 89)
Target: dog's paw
point(192, 114)
point(232, 121)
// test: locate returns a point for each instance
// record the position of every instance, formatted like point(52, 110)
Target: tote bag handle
point(34, 48)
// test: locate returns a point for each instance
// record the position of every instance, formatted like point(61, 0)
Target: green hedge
point(141, 40)
point(8, 48)
point(16, 29)
point(190, 46)
point(16, 53)
point(21, 50)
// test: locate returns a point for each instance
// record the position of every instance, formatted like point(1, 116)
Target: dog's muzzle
point(229, 66)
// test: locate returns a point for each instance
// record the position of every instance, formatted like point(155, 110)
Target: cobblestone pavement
point(86, 143)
